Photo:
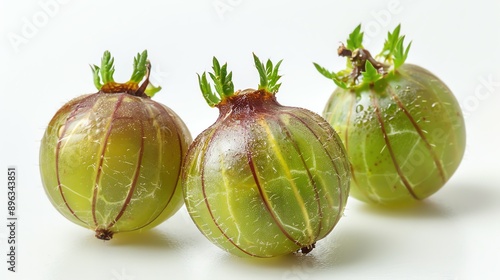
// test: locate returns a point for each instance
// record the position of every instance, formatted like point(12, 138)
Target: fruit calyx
point(224, 87)
point(307, 249)
point(362, 68)
point(105, 83)
point(104, 234)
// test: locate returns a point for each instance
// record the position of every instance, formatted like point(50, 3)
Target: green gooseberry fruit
point(111, 161)
point(402, 127)
point(265, 179)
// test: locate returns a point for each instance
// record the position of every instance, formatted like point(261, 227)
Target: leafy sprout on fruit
point(268, 75)
point(104, 81)
point(224, 86)
point(361, 67)
point(222, 80)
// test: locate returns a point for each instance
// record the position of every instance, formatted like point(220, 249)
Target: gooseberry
point(110, 161)
point(265, 179)
point(402, 127)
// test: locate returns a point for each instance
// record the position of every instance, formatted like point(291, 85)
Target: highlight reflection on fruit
point(265, 179)
point(402, 127)
point(110, 161)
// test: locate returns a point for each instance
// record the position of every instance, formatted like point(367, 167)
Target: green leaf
point(151, 90)
point(331, 75)
point(222, 82)
point(140, 65)
point(206, 90)
point(324, 72)
point(391, 43)
point(107, 67)
point(394, 50)
point(105, 72)
point(359, 70)
point(274, 77)
point(262, 72)
point(401, 53)
point(355, 40)
point(370, 75)
point(96, 76)
point(341, 83)
point(268, 74)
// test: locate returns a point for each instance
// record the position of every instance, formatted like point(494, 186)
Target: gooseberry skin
point(111, 161)
point(265, 179)
point(405, 135)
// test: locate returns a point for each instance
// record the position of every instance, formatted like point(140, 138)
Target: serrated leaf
point(228, 87)
point(323, 71)
point(394, 51)
point(400, 52)
point(262, 72)
point(206, 90)
point(391, 42)
point(355, 39)
point(331, 75)
point(370, 75)
point(222, 80)
point(107, 68)
point(96, 76)
point(268, 74)
point(215, 65)
point(274, 72)
point(340, 83)
point(140, 62)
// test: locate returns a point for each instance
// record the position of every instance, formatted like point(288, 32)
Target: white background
point(44, 62)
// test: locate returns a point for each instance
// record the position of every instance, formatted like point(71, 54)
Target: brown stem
point(358, 58)
point(141, 91)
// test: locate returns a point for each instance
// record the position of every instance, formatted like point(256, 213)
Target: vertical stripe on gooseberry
point(58, 150)
point(288, 175)
point(181, 150)
point(438, 164)
point(101, 155)
point(346, 133)
point(228, 202)
point(311, 180)
point(135, 178)
point(438, 97)
point(154, 122)
point(203, 158)
point(160, 143)
point(265, 199)
point(339, 181)
point(376, 106)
